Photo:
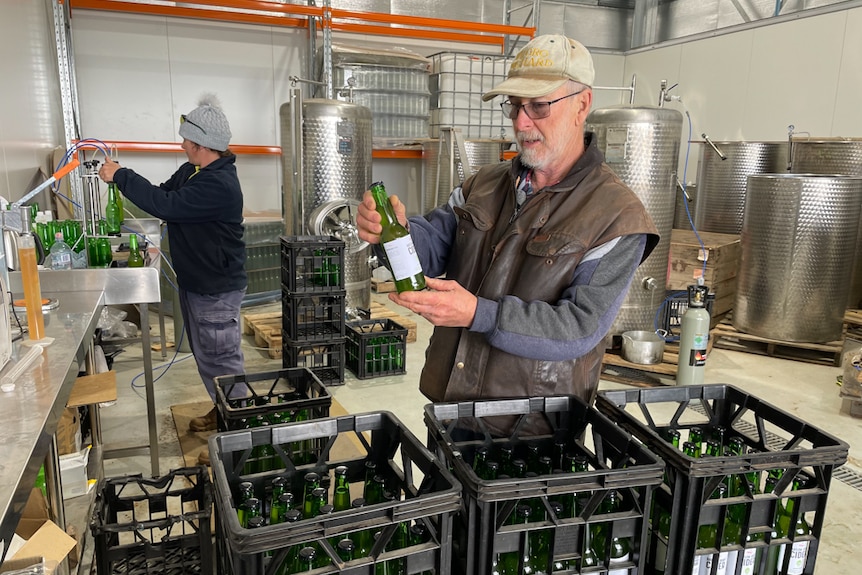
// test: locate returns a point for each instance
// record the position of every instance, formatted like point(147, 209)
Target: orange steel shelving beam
point(275, 14)
point(240, 149)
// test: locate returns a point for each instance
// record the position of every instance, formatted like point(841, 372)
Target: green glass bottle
point(799, 548)
point(398, 245)
point(376, 492)
point(509, 562)
point(695, 437)
point(662, 536)
point(135, 258)
point(305, 560)
point(706, 538)
point(479, 459)
point(281, 507)
point(733, 527)
point(251, 507)
point(245, 491)
point(490, 471)
point(610, 548)
point(345, 549)
point(365, 538)
point(312, 482)
point(341, 493)
point(419, 535)
point(506, 454)
point(113, 215)
point(547, 536)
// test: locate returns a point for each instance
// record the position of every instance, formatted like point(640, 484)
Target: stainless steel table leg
point(151, 399)
point(54, 491)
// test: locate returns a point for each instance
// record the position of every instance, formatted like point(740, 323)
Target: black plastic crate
point(154, 526)
point(312, 264)
point(675, 306)
point(313, 317)
point(617, 463)
point(376, 347)
point(774, 441)
point(324, 359)
point(278, 396)
point(430, 495)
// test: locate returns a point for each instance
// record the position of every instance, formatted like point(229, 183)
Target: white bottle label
point(61, 261)
point(614, 561)
point(660, 555)
point(402, 258)
point(749, 558)
point(798, 555)
point(699, 560)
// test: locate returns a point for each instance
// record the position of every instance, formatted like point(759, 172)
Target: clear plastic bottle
point(61, 253)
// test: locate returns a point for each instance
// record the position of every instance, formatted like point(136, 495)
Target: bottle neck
point(384, 206)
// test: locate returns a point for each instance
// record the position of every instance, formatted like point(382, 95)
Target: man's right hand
point(368, 220)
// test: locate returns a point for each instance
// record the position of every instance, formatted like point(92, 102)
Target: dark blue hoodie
point(203, 211)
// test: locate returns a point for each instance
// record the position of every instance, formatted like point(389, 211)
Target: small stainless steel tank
point(721, 183)
point(798, 238)
point(336, 144)
point(641, 144)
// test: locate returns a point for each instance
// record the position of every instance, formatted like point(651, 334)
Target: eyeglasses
point(184, 119)
point(534, 110)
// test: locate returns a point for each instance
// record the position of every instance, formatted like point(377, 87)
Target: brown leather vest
point(532, 256)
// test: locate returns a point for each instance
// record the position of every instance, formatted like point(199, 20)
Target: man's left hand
point(445, 304)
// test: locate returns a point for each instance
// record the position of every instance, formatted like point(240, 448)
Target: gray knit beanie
point(206, 125)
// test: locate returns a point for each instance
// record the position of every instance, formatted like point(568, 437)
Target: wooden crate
point(685, 261)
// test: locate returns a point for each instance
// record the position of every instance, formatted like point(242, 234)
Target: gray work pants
point(212, 326)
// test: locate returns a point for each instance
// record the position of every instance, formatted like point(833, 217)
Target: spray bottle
point(693, 338)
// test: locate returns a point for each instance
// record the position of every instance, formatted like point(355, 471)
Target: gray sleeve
point(574, 325)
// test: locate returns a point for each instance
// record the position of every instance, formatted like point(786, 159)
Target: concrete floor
point(806, 390)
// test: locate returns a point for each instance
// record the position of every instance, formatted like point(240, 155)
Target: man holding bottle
point(202, 204)
point(538, 252)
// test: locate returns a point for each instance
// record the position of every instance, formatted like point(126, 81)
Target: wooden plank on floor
point(381, 286)
point(249, 319)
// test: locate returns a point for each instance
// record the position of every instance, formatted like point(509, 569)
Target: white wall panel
point(123, 68)
point(610, 72)
point(794, 77)
point(31, 116)
point(847, 121)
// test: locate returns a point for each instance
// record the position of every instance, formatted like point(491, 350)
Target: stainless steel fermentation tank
point(798, 235)
point(721, 183)
point(443, 168)
point(641, 144)
point(326, 163)
point(842, 157)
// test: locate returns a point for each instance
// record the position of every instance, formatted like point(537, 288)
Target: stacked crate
point(313, 305)
point(733, 512)
point(376, 347)
point(262, 253)
point(589, 520)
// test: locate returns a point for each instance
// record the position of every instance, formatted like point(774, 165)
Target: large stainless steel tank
point(332, 151)
point(721, 182)
point(798, 238)
point(443, 168)
point(834, 157)
point(685, 204)
point(641, 144)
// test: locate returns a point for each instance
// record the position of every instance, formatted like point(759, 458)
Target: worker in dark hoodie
point(202, 204)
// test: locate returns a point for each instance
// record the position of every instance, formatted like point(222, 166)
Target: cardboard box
point(73, 473)
point(69, 432)
point(46, 543)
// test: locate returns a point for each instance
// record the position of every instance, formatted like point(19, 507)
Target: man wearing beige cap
point(538, 252)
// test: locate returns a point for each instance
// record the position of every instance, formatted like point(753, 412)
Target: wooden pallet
point(728, 337)
point(266, 327)
point(381, 286)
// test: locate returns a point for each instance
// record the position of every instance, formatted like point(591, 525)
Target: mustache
point(533, 135)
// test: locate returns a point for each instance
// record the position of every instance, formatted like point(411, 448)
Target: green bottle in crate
point(610, 548)
point(287, 564)
point(311, 482)
point(376, 492)
point(798, 549)
point(304, 561)
point(244, 493)
point(341, 492)
point(509, 562)
point(251, 508)
point(281, 507)
point(346, 549)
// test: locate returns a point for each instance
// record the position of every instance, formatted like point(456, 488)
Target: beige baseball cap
point(545, 64)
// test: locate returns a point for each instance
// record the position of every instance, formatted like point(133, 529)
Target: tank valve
point(650, 284)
